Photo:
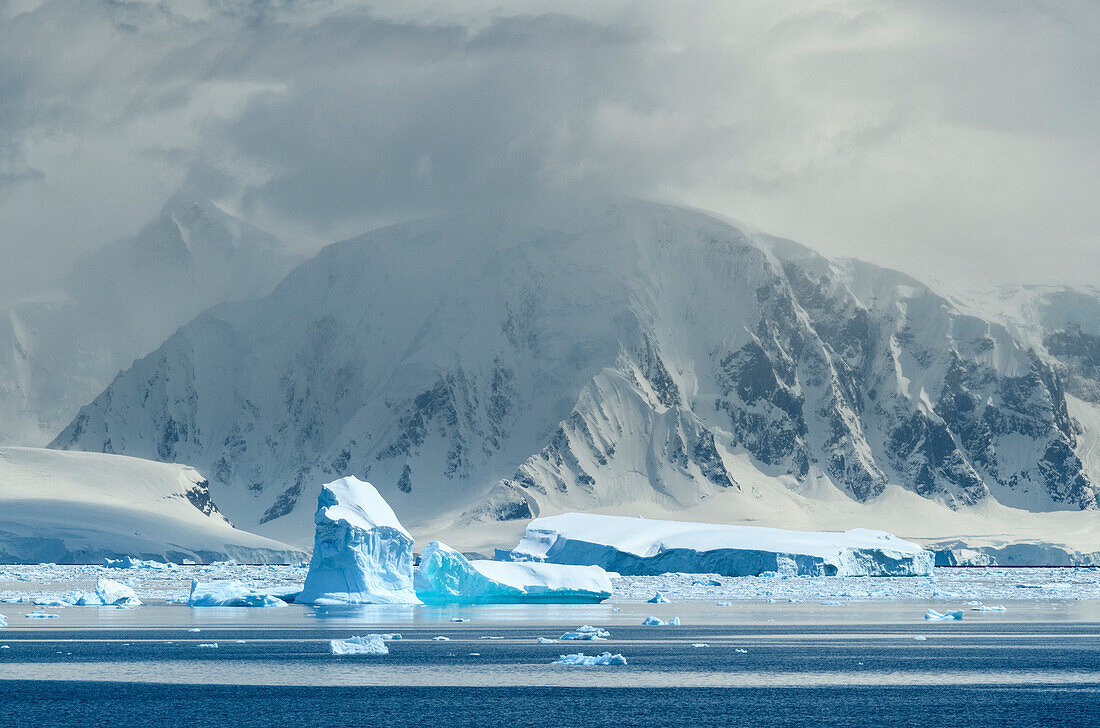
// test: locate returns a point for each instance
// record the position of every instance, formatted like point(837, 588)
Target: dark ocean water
point(1005, 675)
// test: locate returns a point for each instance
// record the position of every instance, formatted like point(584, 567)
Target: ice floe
point(371, 644)
point(229, 594)
point(934, 616)
point(605, 658)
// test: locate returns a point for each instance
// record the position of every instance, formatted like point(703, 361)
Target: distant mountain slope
point(620, 356)
point(83, 507)
point(119, 303)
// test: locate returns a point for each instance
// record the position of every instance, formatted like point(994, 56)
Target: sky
point(954, 140)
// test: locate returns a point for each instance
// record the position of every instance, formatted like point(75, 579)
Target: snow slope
point(83, 507)
point(618, 357)
point(60, 349)
point(642, 546)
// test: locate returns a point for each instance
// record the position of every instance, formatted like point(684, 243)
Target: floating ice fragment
point(111, 593)
point(229, 594)
point(935, 616)
point(459, 619)
point(920, 638)
point(40, 615)
point(708, 582)
point(441, 638)
point(659, 598)
point(212, 645)
point(699, 644)
point(586, 632)
point(674, 622)
point(741, 651)
point(724, 604)
point(546, 641)
point(652, 621)
point(988, 608)
point(605, 658)
point(194, 629)
point(372, 644)
point(3, 621)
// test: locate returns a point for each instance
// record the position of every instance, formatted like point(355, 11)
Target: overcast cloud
point(948, 139)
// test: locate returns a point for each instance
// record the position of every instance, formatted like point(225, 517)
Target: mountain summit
point(119, 303)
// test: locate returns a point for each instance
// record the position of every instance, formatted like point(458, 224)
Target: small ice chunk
point(459, 619)
point(659, 598)
point(194, 629)
point(988, 608)
point(40, 615)
point(372, 644)
point(652, 621)
point(741, 651)
point(674, 622)
point(546, 641)
point(586, 632)
point(708, 582)
point(111, 593)
point(211, 645)
point(920, 638)
point(699, 644)
point(605, 658)
point(724, 604)
point(441, 638)
point(3, 621)
point(935, 616)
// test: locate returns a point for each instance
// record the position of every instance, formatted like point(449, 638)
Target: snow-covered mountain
point(621, 357)
point(68, 507)
point(59, 350)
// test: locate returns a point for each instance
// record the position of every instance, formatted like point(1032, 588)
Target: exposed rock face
point(576, 361)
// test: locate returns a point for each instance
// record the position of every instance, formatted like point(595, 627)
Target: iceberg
point(588, 660)
point(3, 621)
point(210, 645)
point(587, 632)
point(639, 546)
point(361, 552)
point(229, 594)
point(447, 577)
point(933, 615)
point(372, 644)
point(110, 593)
point(659, 598)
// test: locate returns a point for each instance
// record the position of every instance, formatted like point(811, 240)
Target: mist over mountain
point(61, 348)
point(614, 356)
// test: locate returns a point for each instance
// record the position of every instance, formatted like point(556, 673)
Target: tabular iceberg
point(638, 546)
point(447, 577)
point(361, 552)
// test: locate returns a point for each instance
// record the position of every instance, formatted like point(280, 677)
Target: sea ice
point(361, 552)
point(445, 576)
point(40, 615)
point(372, 644)
point(3, 621)
point(587, 632)
point(580, 659)
point(638, 546)
point(659, 598)
point(541, 641)
point(935, 616)
point(129, 562)
point(441, 638)
point(229, 594)
point(652, 621)
point(988, 608)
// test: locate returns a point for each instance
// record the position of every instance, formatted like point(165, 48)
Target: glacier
point(445, 576)
point(639, 546)
point(361, 552)
point(617, 357)
point(83, 508)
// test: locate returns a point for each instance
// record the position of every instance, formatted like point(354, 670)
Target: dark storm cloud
point(950, 139)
